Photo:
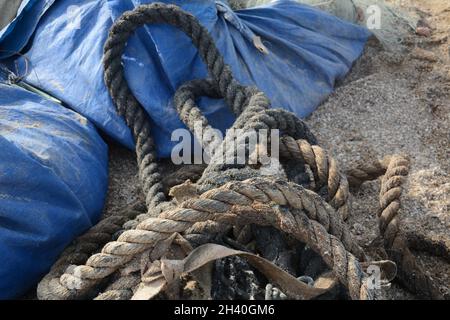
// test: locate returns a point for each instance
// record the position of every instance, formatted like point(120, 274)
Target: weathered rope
point(190, 172)
point(324, 168)
point(231, 194)
point(253, 110)
point(255, 115)
point(130, 108)
point(127, 105)
point(83, 247)
point(366, 172)
point(257, 201)
point(325, 171)
point(394, 170)
point(395, 243)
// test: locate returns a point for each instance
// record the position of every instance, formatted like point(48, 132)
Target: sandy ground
point(389, 103)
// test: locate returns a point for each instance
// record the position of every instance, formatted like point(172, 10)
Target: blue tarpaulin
point(308, 50)
point(53, 163)
point(53, 181)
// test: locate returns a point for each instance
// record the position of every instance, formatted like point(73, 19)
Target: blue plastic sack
point(308, 50)
point(53, 182)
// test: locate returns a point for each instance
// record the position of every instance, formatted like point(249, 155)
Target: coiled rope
point(227, 194)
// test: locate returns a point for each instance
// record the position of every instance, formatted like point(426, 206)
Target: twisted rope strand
point(410, 273)
point(396, 242)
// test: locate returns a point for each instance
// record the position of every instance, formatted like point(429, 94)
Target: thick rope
point(285, 206)
point(325, 171)
point(396, 241)
point(83, 247)
point(256, 115)
point(129, 107)
point(366, 172)
point(324, 168)
point(190, 172)
point(257, 201)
